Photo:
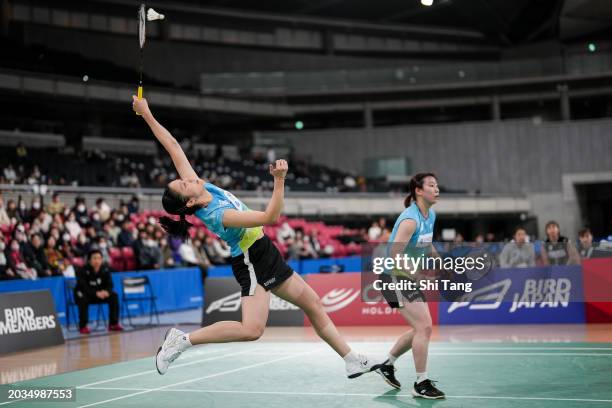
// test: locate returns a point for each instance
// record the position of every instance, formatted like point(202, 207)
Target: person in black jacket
point(95, 285)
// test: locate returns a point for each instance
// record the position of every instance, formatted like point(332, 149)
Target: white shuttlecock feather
point(154, 15)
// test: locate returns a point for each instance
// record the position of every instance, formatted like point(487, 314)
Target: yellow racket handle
point(139, 95)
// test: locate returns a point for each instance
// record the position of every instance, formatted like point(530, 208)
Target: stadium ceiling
point(504, 22)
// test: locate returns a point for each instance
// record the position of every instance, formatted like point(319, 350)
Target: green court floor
point(310, 375)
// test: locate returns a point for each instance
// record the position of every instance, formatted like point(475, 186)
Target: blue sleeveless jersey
point(239, 239)
point(422, 237)
point(424, 226)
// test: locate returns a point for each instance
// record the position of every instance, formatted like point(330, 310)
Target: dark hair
point(416, 182)
point(519, 228)
point(551, 223)
point(92, 253)
point(176, 204)
point(583, 232)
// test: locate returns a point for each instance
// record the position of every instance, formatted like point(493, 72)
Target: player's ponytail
point(416, 182)
point(176, 204)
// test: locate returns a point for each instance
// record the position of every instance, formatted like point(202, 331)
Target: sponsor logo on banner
point(223, 298)
point(340, 296)
point(338, 299)
point(231, 303)
point(526, 295)
point(536, 293)
point(28, 320)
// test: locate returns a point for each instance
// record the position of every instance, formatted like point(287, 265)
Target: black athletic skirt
point(262, 264)
point(396, 298)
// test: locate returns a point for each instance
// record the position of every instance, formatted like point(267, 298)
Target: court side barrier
point(598, 286)
point(175, 289)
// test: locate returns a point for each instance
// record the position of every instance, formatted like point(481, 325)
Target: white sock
point(184, 342)
point(421, 377)
point(391, 358)
point(351, 356)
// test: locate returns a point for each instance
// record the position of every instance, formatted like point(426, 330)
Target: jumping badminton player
point(257, 265)
point(413, 228)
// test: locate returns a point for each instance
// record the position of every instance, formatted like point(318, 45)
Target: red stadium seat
point(116, 259)
point(77, 262)
point(129, 258)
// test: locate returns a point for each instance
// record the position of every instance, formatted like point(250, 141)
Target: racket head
point(142, 24)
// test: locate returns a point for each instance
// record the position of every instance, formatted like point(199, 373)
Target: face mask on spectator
point(15, 246)
point(66, 237)
point(36, 205)
point(103, 245)
point(96, 217)
point(82, 239)
point(81, 208)
point(22, 205)
point(163, 242)
point(120, 218)
point(2, 246)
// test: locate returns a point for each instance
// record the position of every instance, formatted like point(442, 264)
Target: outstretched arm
point(182, 165)
point(247, 219)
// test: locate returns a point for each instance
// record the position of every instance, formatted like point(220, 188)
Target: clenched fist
point(279, 169)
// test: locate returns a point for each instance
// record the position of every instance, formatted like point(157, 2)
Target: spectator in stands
point(557, 249)
point(374, 231)
point(193, 255)
point(111, 230)
point(35, 257)
point(4, 217)
point(56, 206)
point(313, 237)
point(22, 210)
point(167, 255)
point(221, 248)
point(41, 223)
point(125, 238)
point(95, 285)
point(103, 209)
point(213, 256)
point(585, 247)
point(518, 253)
point(146, 251)
point(134, 205)
point(57, 260)
point(12, 211)
point(33, 211)
point(73, 228)
point(80, 211)
point(16, 262)
point(285, 234)
point(82, 246)
point(306, 250)
point(100, 243)
point(10, 175)
point(6, 273)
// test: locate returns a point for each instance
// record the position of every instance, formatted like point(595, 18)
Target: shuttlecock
point(154, 15)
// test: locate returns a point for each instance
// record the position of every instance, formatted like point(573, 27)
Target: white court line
point(200, 378)
point(202, 360)
point(522, 348)
point(334, 394)
point(520, 354)
point(85, 386)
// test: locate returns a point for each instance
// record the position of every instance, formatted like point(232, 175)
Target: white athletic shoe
point(169, 351)
point(361, 365)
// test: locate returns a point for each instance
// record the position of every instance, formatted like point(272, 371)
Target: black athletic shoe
point(387, 372)
point(426, 389)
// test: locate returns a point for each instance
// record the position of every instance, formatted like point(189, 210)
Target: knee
point(314, 306)
point(424, 329)
point(252, 333)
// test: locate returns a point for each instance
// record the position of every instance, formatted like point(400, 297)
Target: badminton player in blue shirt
point(256, 263)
